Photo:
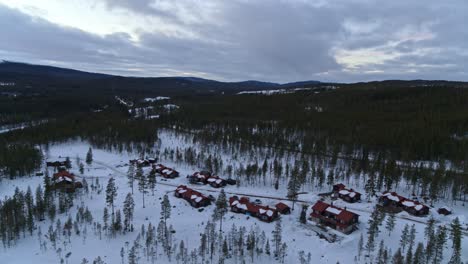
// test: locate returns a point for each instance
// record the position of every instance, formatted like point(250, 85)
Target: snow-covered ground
point(12, 127)
point(157, 98)
point(7, 84)
point(287, 91)
point(189, 222)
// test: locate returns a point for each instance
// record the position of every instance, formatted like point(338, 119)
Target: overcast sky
point(232, 40)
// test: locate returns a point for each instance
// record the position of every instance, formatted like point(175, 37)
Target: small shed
point(283, 208)
point(444, 210)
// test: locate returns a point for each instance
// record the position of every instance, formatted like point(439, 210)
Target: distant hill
point(301, 84)
point(44, 77)
point(49, 71)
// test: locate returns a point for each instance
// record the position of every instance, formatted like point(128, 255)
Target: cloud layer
point(281, 41)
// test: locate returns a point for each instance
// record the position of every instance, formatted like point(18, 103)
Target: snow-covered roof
point(352, 194)
point(63, 178)
point(344, 192)
point(333, 210)
point(242, 206)
point(446, 208)
point(408, 203)
point(419, 207)
point(182, 191)
point(392, 197)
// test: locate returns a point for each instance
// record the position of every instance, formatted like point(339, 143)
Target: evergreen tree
point(373, 230)
point(430, 236)
point(142, 187)
point(117, 226)
point(390, 223)
point(380, 253)
point(370, 186)
point(152, 181)
point(409, 255)
point(404, 237)
point(81, 168)
point(165, 214)
point(40, 203)
point(132, 255)
point(456, 236)
point(360, 245)
point(441, 240)
point(221, 208)
point(418, 257)
point(128, 209)
point(225, 250)
point(131, 175)
point(412, 236)
point(429, 229)
point(111, 194)
point(303, 216)
point(398, 257)
point(89, 156)
point(293, 186)
point(68, 163)
point(105, 218)
point(267, 247)
point(277, 238)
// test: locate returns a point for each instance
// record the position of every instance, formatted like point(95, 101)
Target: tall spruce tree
point(111, 194)
point(131, 175)
point(128, 209)
point(152, 181)
point(221, 209)
point(390, 223)
point(404, 237)
point(89, 156)
point(441, 240)
point(456, 236)
point(418, 257)
point(277, 238)
point(165, 214)
point(143, 186)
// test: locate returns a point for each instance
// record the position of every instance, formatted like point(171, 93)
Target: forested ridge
point(408, 136)
point(393, 121)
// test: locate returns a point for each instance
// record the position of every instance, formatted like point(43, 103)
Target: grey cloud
point(239, 40)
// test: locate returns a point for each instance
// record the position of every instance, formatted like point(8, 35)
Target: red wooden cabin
point(410, 206)
point(165, 172)
point(196, 199)
point(335, 217)
point(244, 206)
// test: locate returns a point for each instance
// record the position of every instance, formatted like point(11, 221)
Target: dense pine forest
point(389, 121)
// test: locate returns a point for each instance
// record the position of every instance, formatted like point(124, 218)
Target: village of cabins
point(323, 213)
